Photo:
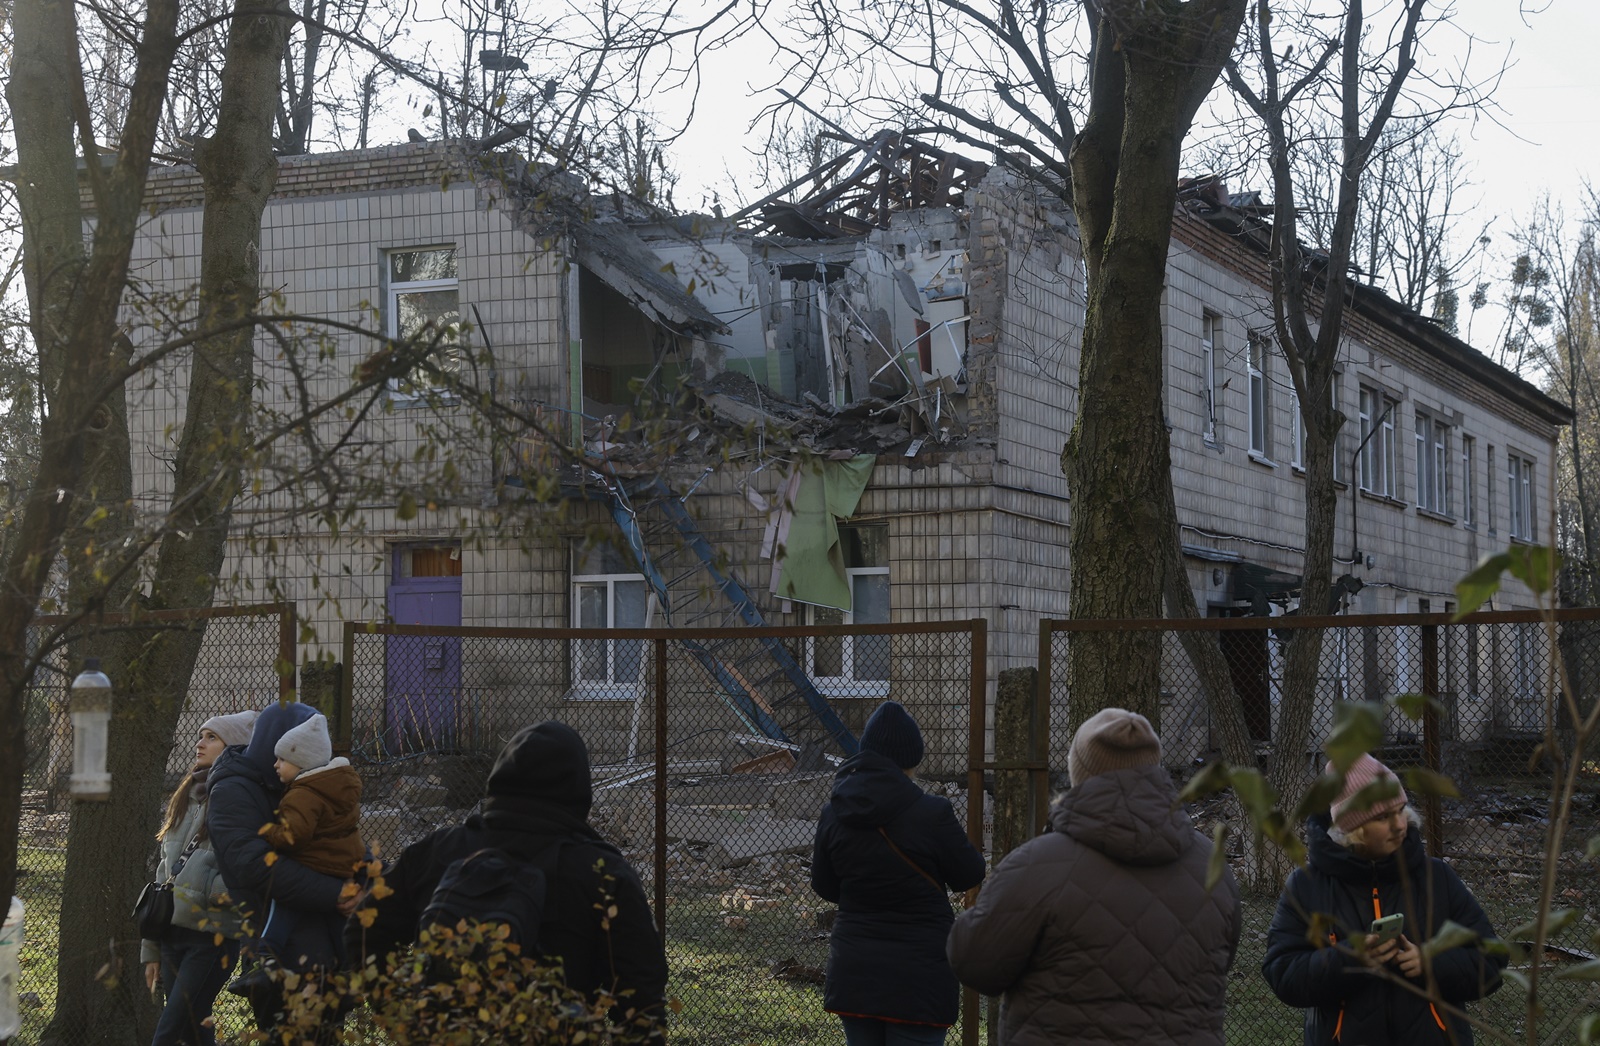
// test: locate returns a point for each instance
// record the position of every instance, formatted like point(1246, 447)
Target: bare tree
point(1091, 101)
point(1289, 62)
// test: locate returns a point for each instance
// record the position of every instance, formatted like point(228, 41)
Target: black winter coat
point(540, 795)
point(1344, 1001)
point(243, 798)
point(886, 957)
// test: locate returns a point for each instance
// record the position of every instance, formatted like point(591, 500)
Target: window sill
point(1437, 517)
point(1384, 499)
point(601, 692)
point(839, 687)
point(1262, 460)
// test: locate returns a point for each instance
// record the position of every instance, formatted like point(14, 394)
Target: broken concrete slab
point(801, 796)
point(779, 762)
point(786, 836)
point(708, 826)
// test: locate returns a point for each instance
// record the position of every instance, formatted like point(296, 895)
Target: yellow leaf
point(367, 916)
point(271, 858)
point(380, 891)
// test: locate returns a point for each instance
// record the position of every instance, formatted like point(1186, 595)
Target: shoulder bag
point(152, 912)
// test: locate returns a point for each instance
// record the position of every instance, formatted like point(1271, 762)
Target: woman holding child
point(246, 790)
point(194, 958)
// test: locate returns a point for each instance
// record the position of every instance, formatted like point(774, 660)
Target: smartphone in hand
point(1388, 928)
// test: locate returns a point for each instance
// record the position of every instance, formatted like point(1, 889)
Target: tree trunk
point(106, 861)
point(74, 303)
point(1151, 65)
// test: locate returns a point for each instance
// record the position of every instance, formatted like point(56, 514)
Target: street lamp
point(91, 728)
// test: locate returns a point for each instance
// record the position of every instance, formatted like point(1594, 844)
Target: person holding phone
point(1381, 897)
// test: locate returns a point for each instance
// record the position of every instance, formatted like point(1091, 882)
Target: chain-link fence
point(237, 668)
point(1495, 678)
point(713, 754)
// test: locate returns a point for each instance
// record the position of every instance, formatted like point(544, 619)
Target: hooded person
point(244, 794)
point(885, 853)
point(538, 798)
point(1365, 861)
point(1102, 930)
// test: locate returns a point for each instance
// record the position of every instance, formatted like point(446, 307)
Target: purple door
point(423, 673)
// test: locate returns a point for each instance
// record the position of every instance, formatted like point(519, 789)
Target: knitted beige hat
point(1111, 739)
point(233, 729)
point(1362, 773)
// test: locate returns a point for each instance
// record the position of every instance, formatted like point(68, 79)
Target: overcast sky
point(1544, 134)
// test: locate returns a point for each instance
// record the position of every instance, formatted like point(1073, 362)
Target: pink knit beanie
point(1364, 771)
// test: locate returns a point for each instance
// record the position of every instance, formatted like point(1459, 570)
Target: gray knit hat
point(1111, 739)
point(233, 729)
point(307, 745)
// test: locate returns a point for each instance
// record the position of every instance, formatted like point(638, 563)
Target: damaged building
point(845, 404)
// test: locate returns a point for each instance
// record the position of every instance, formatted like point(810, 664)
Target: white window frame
point(1297, 433)
point(1260, 401)
point(1433, 463)
point(1210, 331)
point(1488, 490)
point(1469, 486)
point(611, 688)
point(1519, 493)
point(393, 289)
point(1377, 458)
point(847, 684)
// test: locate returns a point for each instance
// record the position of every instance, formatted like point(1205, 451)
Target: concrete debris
point(779, 762)
point(801, 796)
point(785, 836)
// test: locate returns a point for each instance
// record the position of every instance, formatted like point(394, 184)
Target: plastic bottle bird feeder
point(90, 705)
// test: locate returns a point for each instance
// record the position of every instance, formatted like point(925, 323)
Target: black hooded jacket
point(538, 795)
point(886, 956)
point(243, 797)
point(1344, 1001)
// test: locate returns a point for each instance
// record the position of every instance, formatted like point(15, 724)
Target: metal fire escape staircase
point(759, 677)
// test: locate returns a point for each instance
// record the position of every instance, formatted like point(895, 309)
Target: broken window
point(623, 350)
point(855, 666)
point(607, 592)
point(423, 301)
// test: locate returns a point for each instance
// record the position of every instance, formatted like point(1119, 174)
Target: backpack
point(492, 886)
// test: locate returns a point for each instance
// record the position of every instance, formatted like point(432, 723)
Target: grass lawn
point(723, 978)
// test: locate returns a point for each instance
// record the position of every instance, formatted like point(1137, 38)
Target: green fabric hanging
point(813, 562)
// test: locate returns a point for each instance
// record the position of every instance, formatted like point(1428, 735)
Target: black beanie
point(892, 733)
point(546, 761)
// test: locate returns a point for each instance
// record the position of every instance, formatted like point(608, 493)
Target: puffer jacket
point(1345, 1002)
point(319, 819)
point(199, 897)
point(244, 795)
point(886, 954)
point(1101, 930)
